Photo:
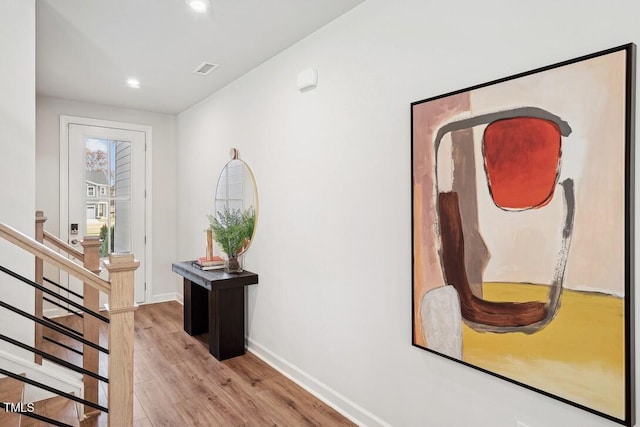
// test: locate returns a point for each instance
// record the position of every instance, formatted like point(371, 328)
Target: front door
point(106, 193)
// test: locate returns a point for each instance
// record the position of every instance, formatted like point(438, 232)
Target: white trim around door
point(65, 121)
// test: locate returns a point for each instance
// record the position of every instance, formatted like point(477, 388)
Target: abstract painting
point(522, 194)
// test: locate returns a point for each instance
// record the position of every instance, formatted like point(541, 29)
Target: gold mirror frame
point(232, 191)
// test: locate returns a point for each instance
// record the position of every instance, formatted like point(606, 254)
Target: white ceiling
point(86, 49)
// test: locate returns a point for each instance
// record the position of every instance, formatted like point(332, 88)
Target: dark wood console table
point(214, 303)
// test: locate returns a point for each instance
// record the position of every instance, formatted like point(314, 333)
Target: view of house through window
point(108, 193)
point(230, 188)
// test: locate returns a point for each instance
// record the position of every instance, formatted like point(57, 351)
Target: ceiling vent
point(205, 68)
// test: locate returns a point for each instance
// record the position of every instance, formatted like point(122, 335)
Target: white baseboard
point(170, 296)
point(340, 403)
point(43, 374)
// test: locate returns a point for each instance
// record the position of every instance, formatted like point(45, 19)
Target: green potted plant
point(233, 229)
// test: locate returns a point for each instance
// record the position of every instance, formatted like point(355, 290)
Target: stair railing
point(90, 259)
point(120, 290)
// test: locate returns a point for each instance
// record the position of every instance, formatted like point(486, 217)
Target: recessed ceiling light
point(199, 6)
point(133, 83)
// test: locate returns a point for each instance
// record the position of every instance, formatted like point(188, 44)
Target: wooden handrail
point(41, 251)
point(63, 246)
point(120, 290)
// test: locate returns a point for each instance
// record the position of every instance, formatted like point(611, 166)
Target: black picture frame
point(514, 177)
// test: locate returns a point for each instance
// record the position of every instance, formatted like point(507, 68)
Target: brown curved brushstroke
point(464, 184)
point(474, 309)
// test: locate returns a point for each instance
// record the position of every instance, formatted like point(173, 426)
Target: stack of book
point(214, 263)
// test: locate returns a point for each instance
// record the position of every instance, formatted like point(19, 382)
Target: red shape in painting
point(522, 156)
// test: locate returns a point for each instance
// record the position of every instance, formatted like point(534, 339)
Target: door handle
point(74, 242)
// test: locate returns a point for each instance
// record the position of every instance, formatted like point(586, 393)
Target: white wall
point(333, 243)
point(17, 157)
point(164, 285)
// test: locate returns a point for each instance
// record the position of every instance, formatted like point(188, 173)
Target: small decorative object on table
point(209, 244)
point(215, 263)
point(233, 229)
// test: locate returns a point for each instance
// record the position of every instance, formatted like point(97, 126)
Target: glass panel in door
point(108, 200)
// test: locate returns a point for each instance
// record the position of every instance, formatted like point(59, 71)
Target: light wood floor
point(178, 383)
point(10, 392)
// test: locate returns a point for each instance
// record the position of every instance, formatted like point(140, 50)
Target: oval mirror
point(236, 193)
